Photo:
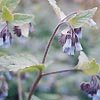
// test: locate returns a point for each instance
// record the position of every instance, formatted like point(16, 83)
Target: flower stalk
point(34, 85)
point(19, 87)
point(45, 55)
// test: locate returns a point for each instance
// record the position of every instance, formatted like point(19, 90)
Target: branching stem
point(45, 55)
point(58, 72)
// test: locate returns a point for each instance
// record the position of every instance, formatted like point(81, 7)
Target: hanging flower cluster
point(70, 40)
point(92, 88)
point(6, 35)
point(17, 31)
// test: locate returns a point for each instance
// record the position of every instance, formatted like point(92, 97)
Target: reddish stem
point(50, 42)
point(34, 85)
point(61, 71)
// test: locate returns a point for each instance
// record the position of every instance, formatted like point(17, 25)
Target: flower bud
point(78, 46)
point(98, 93)
point(1, 41)
point(78, 31)
point(91, 22)
point(95, 97)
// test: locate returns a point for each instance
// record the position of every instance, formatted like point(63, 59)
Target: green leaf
point(21, 19)
point(33, 68)
point(18, 62)
point(86, 66)
point(3, 3)
point(82, 18)
point(6, 14)
point(90, 68)
point(11, 4)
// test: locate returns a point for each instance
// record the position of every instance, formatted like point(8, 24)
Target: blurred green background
point(64, 86)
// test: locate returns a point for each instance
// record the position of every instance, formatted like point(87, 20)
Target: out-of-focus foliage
point(21, 19)
point(11, 4)
point(19, 62)
point(6, 14)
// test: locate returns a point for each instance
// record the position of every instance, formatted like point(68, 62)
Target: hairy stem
point(50, 41)
point(34, 85)
point(19, 87)
point(58, 72)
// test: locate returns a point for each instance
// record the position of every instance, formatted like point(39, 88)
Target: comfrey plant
point(69, 39)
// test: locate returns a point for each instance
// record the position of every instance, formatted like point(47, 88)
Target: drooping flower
point(91, 22)
point(78, 46)
point(17, 31)
point(71, 51)
point(97, 95)
point(5, 37)
point(62, 39)
point(70, 41)
point(78, 31)
point(22, 39)
point(92, 88)
point(1, 41)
